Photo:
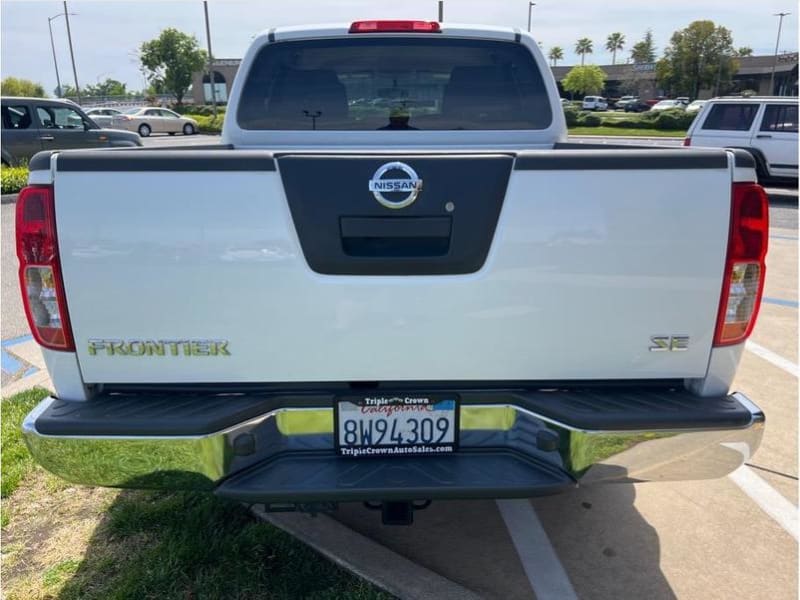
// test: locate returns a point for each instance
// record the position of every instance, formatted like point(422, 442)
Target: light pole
point(72, 54)
point(210, 62)
point(53, 47)
point(441, 11)
point(530, 8)
point(775, 57)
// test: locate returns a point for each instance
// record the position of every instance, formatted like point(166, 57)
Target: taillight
point(40, 269)
point(395, 26)
point(745, 269)
point(687, 141)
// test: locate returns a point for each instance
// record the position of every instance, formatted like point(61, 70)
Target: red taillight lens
point(745, 269)
point(687, 141)
point(40, 269)
point(395, 26)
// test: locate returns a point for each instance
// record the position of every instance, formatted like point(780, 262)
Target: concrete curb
point(8, 198)
point(366, 558)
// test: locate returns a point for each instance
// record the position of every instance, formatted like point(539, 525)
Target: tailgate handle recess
point(399, 237)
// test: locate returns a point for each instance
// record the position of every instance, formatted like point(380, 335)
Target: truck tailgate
point(285, 268)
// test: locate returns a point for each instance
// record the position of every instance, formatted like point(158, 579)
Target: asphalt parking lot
point(730, 538)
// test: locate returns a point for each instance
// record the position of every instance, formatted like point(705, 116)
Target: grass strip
point(15, 461)
point(620, 132)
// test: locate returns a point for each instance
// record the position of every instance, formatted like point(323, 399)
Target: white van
point(595, 103)
point(764, 126)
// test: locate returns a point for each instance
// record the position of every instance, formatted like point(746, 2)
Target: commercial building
point(224, 73)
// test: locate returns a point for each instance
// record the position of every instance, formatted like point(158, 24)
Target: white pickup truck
point(393, 282)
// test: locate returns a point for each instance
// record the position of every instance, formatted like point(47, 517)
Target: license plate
point(396, 425)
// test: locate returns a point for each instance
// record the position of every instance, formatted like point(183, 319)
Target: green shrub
point(204, 110)
point(589, 120)
point(571, 116)
point(208, 124)
point(673, 119)
point(649, 116)
point(13, 179)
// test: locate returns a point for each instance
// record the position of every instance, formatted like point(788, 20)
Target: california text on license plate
point(396, 425)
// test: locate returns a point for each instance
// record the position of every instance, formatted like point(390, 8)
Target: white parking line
point(767, 498)
point(775, 359)
point(545, 572)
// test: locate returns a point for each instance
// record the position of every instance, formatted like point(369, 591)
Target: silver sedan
point(104, 117)
point(147, 120)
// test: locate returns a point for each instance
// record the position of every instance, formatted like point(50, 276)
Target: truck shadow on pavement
point(606, 547)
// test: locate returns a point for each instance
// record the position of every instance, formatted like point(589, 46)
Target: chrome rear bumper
point(202, 462)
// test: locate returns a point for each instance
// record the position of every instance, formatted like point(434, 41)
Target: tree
point(556, 54)
point(590, 79)
point(170, 60)
point(644, 51)
point(13, 86)
point(744, 51)
point(699, 56)
point(109, 87)
point(615, 42)
point(67, 91)
point(583, 47)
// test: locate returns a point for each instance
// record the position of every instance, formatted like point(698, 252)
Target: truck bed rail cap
point(169, 160)
point(597, 160)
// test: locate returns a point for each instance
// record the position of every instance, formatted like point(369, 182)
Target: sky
point(106, 35)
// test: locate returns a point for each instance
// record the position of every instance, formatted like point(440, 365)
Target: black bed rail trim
point(166, 160)
point(742, 157)
point(592, 159)
point(323, 387)
point(598, 409)
point(41, 161)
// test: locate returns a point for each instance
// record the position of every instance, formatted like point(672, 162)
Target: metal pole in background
point(530, 9)
point(53, 46)
point(210, 62)
point(441, 11)
point(775, 57)
point(72, 54)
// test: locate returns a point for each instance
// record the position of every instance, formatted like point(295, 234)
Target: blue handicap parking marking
point(780, 302)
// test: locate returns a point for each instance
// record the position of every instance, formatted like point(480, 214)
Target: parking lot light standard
point(530, 9)
point(210, 62)
point(72, 54)
point(53, 47)
point(775, 57)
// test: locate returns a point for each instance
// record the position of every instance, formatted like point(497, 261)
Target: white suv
point(764, 126)
point(595, 103)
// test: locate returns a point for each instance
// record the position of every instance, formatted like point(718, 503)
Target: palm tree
point(583, 47)
point(556, 54)
point(615, 42)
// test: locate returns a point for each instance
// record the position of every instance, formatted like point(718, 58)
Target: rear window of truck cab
point(421, 83)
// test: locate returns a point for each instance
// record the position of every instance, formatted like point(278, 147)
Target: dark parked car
point(34, 124)
point(636, 105)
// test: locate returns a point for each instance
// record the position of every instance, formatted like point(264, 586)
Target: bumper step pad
point(310, 478)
